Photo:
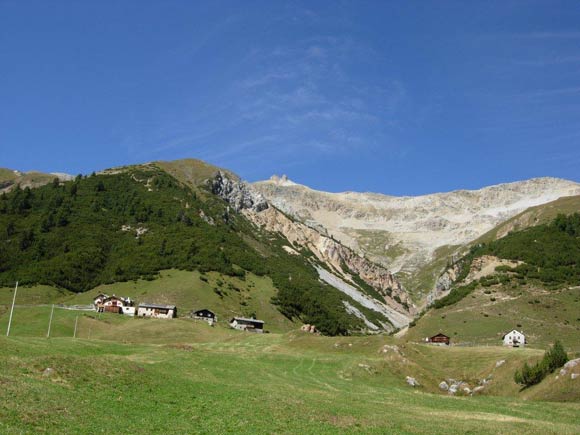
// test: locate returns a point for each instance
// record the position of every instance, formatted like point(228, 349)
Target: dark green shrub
point(554, 358)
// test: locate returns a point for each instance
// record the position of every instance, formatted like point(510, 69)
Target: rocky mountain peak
point(281, 181)
point(237, 193)
point(405, 233)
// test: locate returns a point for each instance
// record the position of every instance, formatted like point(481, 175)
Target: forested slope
point(134, 222)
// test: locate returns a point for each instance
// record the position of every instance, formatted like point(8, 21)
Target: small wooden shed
point(250, 325)
point(206, 315)
point(440, 339)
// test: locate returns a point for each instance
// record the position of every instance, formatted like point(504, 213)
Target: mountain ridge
point(131, 222)
point(408, 234)
point(284, 180)
point(388, 249)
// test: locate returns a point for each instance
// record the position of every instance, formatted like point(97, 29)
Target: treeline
point(101, 229)
point(553, 359)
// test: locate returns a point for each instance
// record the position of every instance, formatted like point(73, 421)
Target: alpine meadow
point(289, 217)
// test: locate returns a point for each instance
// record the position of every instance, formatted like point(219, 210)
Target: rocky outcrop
point(570, 366)
point(479, 268)
point(404, 233)
point(339, 259)
point(444, 283)
point(342, 260)
point(309, 328)
point(485, 266)
point(237, 193)
point(412, 381)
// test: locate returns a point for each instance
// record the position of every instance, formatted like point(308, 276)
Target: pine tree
point(556, 357)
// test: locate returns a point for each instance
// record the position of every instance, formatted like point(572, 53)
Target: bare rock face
point(479, 267)
point(444, 283)
point(404, 232)
point(237, 193)
point(569, 366)
point(337, 256)
point(341, 260)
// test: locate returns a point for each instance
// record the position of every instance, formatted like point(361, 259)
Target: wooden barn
point(157, 311)
point(439, 339)
point(206, 315)
point(250, 325)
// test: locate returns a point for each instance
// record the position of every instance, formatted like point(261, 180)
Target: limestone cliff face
point(341, 260)
point(404, 233)
point(237, 193)
point(444, 283)
point(478, 268)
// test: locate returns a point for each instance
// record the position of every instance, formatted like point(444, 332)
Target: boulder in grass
point(412, 381)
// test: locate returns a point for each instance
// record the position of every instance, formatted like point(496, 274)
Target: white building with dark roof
point(157, 311)
point(206, 315)
point(514, 338)
point(250, 325)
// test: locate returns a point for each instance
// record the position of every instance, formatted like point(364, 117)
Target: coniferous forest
point(82, 233)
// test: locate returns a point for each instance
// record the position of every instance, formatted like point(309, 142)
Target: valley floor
point(189, 378)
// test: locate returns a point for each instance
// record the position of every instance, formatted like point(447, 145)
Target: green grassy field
point(186, 290)
point(132, 375)
point(482, 318)
point(180, 376)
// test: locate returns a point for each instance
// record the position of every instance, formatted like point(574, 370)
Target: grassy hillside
point(226, 296)
point(7, 175)
point(546, 255)
point(487, 313)
point(131, 223)
point(34, 295)
point(9, 179)
point(291, 383)
point(421, 282)
point(192, 172)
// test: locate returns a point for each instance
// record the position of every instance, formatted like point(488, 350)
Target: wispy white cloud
point(288, 101)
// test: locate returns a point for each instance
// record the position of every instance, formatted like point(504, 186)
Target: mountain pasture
point(199, 379)
point(485, 315)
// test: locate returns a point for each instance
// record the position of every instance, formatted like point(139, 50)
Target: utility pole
point(76, 322)
point(12, 310)
point(50, 321)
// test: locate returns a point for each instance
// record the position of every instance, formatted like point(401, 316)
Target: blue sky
point(402, 98)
